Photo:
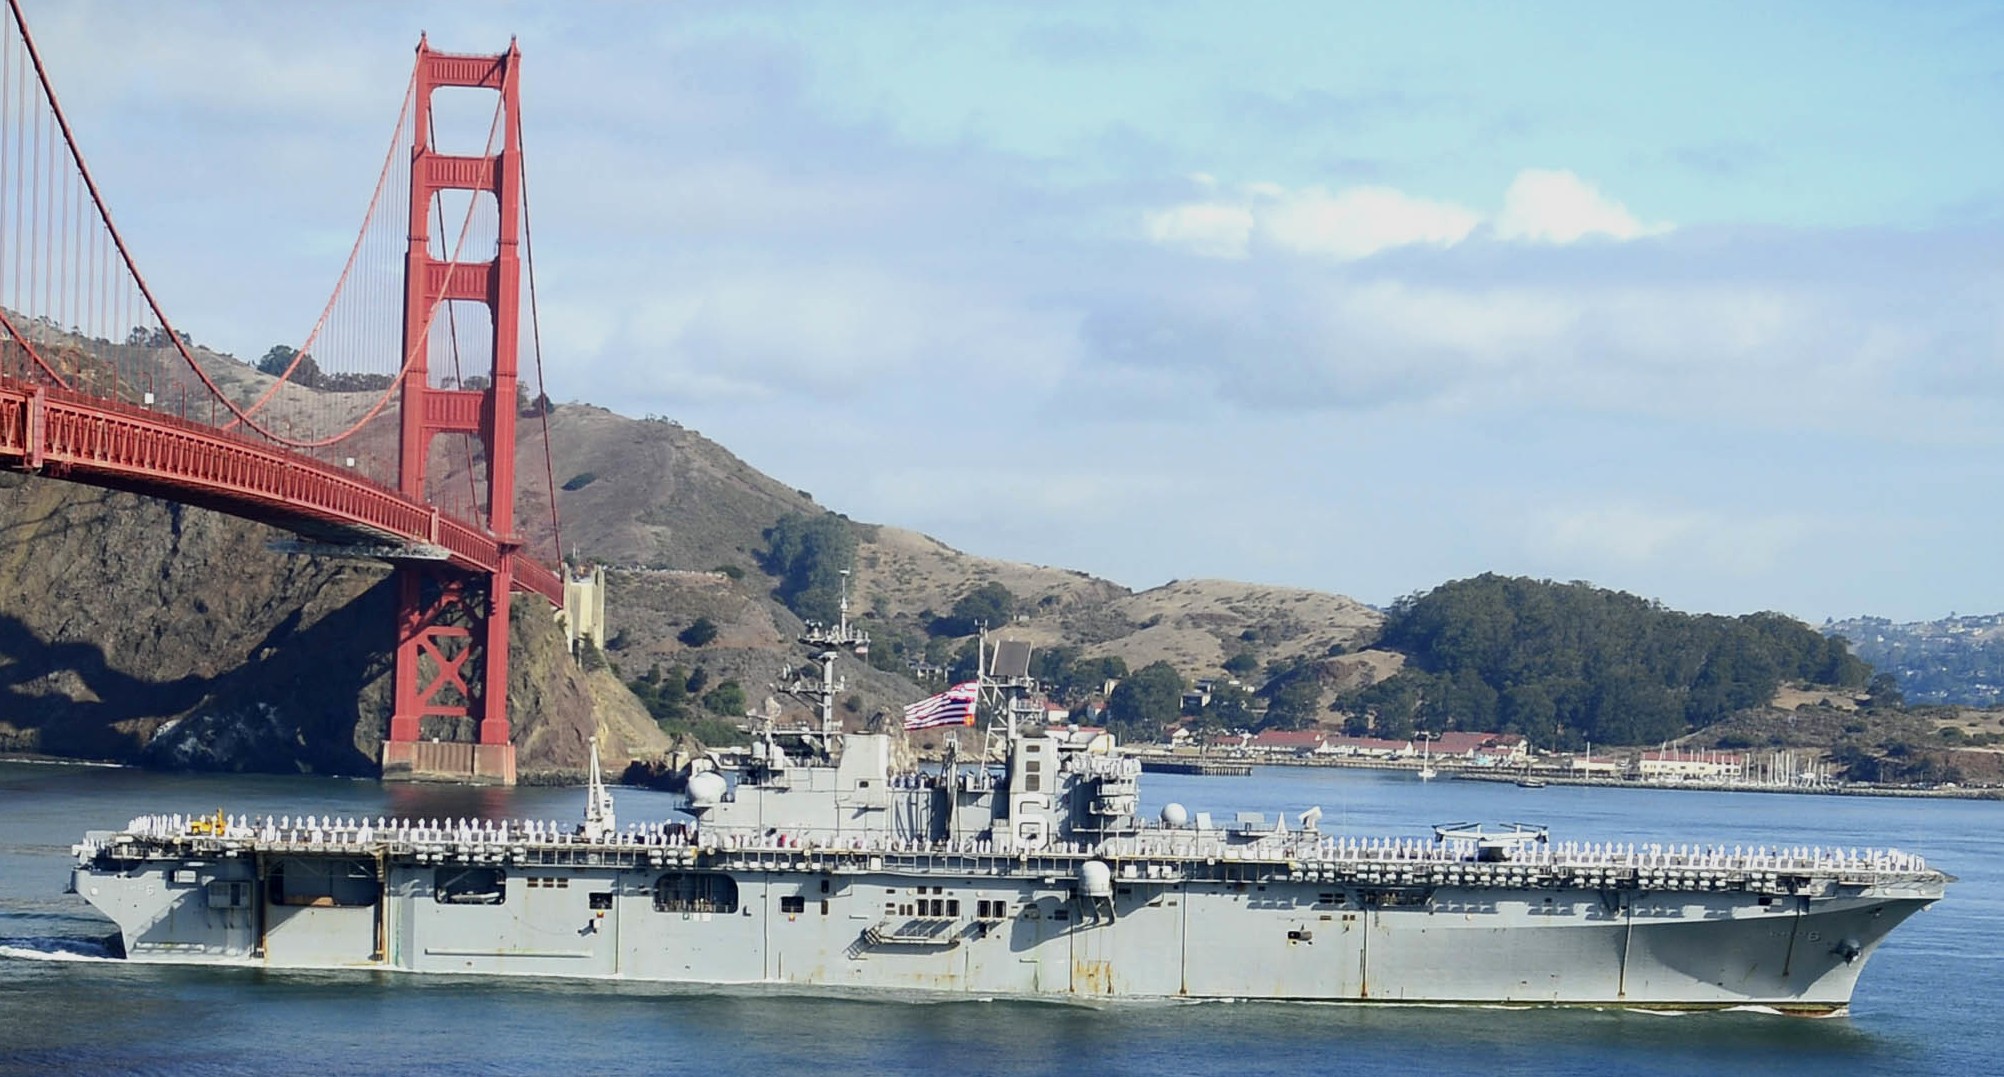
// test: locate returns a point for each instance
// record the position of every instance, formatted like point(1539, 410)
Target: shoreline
point(64, 761)
point(1848, 789)
point(1448, 771)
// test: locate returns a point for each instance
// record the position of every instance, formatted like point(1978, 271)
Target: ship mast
point(1007, 693)
point(599, 822)
point(830, 641)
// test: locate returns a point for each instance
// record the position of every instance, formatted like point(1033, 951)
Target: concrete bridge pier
point(449, 761)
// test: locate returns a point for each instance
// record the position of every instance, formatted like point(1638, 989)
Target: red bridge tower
point(452, 627)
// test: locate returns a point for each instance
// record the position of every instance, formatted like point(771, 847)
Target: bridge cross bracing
point(392, 428)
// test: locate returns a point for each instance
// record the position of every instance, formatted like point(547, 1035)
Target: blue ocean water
point(1926, 1005)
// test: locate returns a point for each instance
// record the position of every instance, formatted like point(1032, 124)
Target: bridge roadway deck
point(120, 446)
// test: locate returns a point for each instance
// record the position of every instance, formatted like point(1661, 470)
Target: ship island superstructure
point(1025, 872)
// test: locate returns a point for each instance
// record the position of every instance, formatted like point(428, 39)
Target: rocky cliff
point(144, 631)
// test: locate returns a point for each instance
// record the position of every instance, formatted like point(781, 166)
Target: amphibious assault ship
point(1026, 870)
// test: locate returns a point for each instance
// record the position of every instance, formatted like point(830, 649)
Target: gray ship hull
point(1228, 925)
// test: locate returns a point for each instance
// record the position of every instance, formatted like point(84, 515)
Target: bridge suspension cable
point(76, 314)
point(542, 400)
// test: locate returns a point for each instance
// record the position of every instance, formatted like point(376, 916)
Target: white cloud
point(1354, 223)
point(1555, 206)
point(1347, 225)
point(1209, 229)
point(333, 83)
point(1361, 221)
point(1628, 536)
point(915, 490)
point(1609, 334)
point(841, 329)
point(1483, 327)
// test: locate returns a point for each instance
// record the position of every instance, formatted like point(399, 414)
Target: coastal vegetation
point(990, 605)
point(1143, 704)
point(1568, 663)
point(684, 703)
point(808, 554)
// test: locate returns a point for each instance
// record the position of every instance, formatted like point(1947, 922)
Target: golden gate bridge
point(390, 432)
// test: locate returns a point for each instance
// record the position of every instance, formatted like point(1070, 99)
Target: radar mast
point(829, 642)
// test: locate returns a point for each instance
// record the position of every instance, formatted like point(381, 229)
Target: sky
point(1703, 302)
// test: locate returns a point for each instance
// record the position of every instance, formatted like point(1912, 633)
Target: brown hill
point(644, 493)
point(138, 630)
point(666, 506)
point(1198, 624)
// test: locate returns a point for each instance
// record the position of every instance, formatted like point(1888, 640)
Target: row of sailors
point(1578, 854)
point(311, 829)
point(319, 830)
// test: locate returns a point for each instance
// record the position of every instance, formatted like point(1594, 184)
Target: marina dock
point(1216, 768)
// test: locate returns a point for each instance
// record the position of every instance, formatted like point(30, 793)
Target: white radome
point(1095, 879)
point(707, 788)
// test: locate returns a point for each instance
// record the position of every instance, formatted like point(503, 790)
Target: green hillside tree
point(1144, 704)
point(1567, 663)
point(280, 358)
point(990, 604)
point(726, 699)
point(808, 554)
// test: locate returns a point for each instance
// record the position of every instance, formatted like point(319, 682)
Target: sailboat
point(1426, 771)
point(1527, 780)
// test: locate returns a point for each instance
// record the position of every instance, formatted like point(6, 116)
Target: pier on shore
point(1217, 768)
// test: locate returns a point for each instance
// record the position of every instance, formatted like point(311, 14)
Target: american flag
point(955, 706)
